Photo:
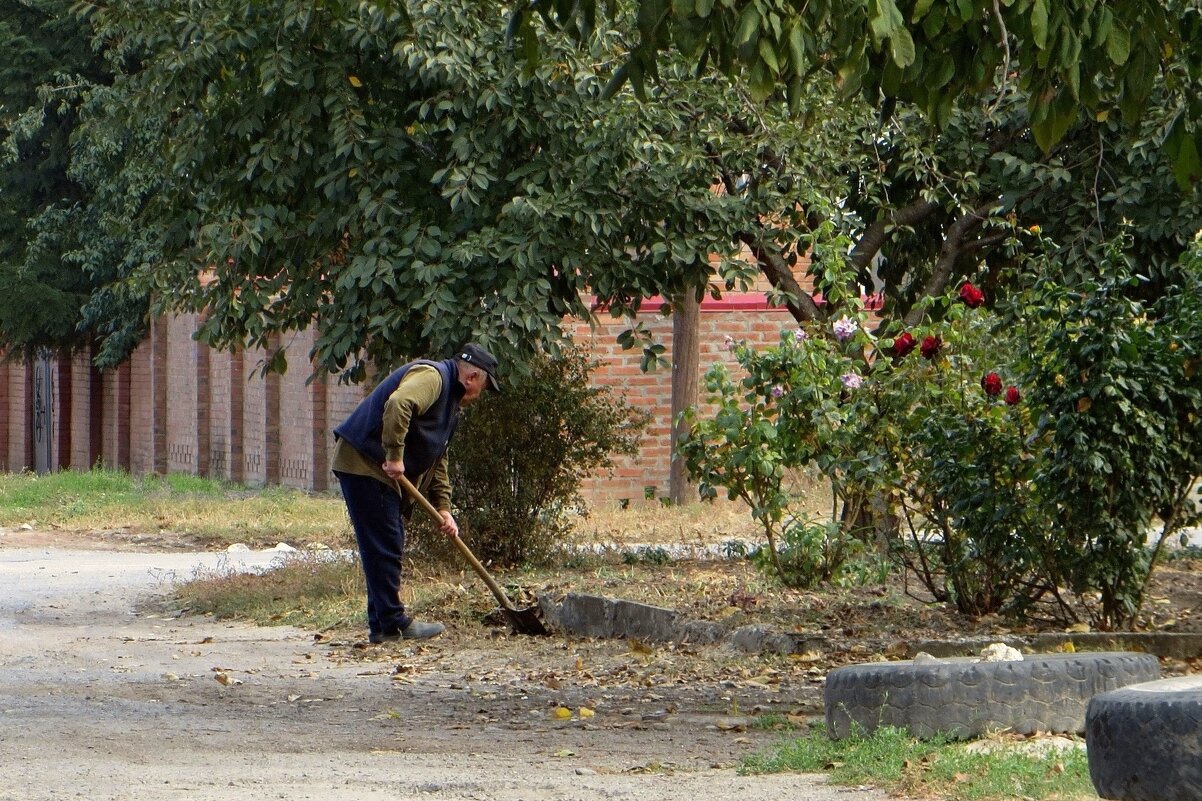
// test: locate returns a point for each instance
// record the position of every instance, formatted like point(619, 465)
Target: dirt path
point(105, 696)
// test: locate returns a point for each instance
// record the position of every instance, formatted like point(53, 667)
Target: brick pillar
point(204, 415)
point(237, 417)
point(125, 408)
point(65, 388)
point(27, 417)
point(160, 350)
point(319, 400)
point(271, 417)
point(5, 414)
point(95, 416)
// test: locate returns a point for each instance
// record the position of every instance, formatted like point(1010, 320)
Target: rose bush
point(1033, 500)
point(967, 527)
point(803, 406)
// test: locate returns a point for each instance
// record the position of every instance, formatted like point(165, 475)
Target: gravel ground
point(104, 695)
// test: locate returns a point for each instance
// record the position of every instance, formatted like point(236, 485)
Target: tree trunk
point(685, 357)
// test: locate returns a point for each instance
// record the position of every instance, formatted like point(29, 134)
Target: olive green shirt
point(416, 393)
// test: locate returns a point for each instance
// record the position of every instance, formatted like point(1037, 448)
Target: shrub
point(519, 456)
point(971, 531)
point(802, 405)
point(1118, 383)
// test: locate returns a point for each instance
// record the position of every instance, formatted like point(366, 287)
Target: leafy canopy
point(1069, 59)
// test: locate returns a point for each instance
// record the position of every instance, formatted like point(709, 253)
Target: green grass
point(210, 511)
point(939, 769)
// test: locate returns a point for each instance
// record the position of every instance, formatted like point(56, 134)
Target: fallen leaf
point(563, 752)
point(585, 712)
point(561, 712)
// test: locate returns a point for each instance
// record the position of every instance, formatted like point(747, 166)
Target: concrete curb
point(613, 618)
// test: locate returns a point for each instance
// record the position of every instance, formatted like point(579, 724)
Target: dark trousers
point(375, 511)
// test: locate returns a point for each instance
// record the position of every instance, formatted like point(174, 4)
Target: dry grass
point(696, 524)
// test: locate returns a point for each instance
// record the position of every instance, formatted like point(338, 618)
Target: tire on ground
point(1145, 741)
point(965, 697)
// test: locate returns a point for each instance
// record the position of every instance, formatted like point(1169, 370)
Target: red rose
point(991, 383)
point(904, 344)
point(930, 346)
point(971, 296)
point(1013, 396)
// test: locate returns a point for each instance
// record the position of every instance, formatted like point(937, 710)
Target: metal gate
point(43, 413)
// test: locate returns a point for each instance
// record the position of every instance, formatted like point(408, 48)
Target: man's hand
point(393, 470)
point(449, 526)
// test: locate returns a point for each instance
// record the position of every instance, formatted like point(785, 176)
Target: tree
point(1070, 60)
point(401, 179)
point(45, 71)
point(344, 167)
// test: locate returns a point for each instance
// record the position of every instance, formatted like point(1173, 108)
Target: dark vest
point(429, 433)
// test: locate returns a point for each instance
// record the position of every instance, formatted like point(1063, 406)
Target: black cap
point(478, 357)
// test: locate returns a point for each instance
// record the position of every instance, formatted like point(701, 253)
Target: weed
point(938, 768)
point(310, 591)
point(647, 555)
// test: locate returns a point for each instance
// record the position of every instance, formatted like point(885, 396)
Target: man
point(403, 428)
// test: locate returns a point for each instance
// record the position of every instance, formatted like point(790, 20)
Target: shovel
point(522, 621)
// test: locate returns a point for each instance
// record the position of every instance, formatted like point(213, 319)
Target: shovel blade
point(525, 621)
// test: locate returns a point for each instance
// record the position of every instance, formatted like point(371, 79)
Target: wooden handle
point(436, 516)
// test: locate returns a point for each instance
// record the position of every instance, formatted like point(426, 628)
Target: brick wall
point(741, 317)
point(179, 406)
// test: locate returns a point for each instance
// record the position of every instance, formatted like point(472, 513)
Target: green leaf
point(749, 25)
point(1182, 148)
point(1051, 117)
point(768, 55)
point(704, 7)
point(920, 10)
point(797, 49)
point(1118, 45)
point(901, 47)
point(1039, 23)
point(886, 20)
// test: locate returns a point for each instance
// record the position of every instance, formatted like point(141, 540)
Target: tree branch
point(777, 270)
point(953, 247)
point(875, 235)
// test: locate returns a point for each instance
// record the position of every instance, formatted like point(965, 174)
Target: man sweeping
point(403, 428)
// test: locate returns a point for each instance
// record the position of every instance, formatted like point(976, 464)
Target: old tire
point(964, 697)
point(1145, 741)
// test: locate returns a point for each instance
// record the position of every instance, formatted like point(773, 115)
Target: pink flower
point(1013, 396)
point(991, 383)
point(851, 380)
point(971, 296)
point(844, 328)
point(778, 391)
